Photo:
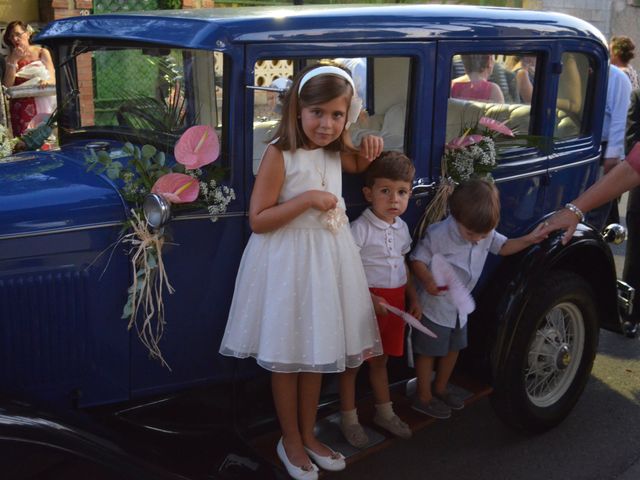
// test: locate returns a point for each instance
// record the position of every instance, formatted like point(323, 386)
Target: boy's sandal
point(452, 401)
point(355, 435)
point(393, 425)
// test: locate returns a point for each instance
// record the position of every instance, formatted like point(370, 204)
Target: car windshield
point(143, 91)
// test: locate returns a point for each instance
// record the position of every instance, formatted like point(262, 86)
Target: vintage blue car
point(79, 391)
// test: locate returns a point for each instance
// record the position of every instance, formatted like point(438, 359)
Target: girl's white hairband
point(356, 102)
point(326, 70)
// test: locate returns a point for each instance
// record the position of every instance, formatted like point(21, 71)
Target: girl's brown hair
point(8, 33)
point(321, 89)
point(476, 205)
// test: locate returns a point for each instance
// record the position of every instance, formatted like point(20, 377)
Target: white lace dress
point(301, 301)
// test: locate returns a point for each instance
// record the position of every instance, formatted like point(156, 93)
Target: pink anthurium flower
point(177, 187)
point(463, 141)
point(198, 146)
point(496, 126)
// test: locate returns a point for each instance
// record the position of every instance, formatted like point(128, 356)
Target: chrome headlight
point(157, 210)
point(615, 233)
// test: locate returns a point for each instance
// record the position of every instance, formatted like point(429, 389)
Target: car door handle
point(422, 189)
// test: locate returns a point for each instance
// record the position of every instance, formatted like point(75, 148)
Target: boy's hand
point(415, 310)
point(539, 233)
point(433, 289)
point(371, 147)
point(379, 305)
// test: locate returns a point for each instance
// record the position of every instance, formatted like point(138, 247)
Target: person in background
point(474, 85)
point(274, 100)
point(621, 48)
point(631, 272)
point(623, 177)
point(613, 128)
point(27, 63)
point(525, 69)
point(358, 68)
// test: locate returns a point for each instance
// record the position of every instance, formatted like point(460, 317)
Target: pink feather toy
point(457, 293)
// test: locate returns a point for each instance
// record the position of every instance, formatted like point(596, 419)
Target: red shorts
point(391, 326)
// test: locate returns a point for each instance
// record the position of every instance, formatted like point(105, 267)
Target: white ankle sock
point(349, 417)
point(385, 410)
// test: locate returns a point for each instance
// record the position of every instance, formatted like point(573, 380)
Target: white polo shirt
point(382, 249)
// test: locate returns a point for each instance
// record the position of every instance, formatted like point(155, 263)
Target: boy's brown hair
point(391, 165)
point(476, 205)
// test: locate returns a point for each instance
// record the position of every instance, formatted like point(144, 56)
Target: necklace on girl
point(323, 174)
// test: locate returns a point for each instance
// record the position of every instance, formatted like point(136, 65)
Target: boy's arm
point(413, 305)
point(424, 276)
point(515, 245)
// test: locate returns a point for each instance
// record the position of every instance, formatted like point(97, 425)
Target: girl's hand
point(321, 200)
point(379, 305)
point(371, 147)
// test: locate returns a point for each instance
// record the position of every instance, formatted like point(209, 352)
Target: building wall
point(611, 17)
point(25, 10)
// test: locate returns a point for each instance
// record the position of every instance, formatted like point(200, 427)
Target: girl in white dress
point(301, 305)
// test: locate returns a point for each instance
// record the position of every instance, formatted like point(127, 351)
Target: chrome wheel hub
point(554, 355)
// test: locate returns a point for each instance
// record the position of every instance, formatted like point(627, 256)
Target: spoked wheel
point(559, 339)
point(551, 355)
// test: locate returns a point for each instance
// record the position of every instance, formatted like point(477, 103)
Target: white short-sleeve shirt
point(382, 249)
point(466, 258)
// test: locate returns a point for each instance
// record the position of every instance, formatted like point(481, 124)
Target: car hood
point(53, 191)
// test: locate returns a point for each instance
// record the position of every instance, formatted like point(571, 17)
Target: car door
point(399, 89)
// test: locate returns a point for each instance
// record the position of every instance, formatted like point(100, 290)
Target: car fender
point(508, 290)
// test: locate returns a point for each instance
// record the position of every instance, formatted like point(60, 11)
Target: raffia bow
point(149, 280)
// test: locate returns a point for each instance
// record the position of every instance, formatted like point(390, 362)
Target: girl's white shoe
point(333, 462)
point(298, 473)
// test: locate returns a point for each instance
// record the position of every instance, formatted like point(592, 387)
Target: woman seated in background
point(475, 84)
point(27, 64)
point(524, 69)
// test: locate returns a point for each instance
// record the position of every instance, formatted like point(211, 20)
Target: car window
point(495, 85)
point(572, 91)
point(157, 90)
point(385, 98)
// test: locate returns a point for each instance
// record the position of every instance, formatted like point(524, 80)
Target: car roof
point(220, 28)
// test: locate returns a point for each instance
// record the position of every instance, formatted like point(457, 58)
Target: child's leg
point(308, 396)
point(347, 385)
point(424, 372)
point(379, 379)
point(349, 424)
point(284, 387)
point(385, 417)
point(445, 368)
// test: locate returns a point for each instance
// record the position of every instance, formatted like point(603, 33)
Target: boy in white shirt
point(384, 240)
point(464, 239)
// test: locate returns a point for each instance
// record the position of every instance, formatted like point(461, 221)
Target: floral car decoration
point(471, 155)
point(192, 180)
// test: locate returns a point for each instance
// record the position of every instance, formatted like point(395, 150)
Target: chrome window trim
point(96, 226)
